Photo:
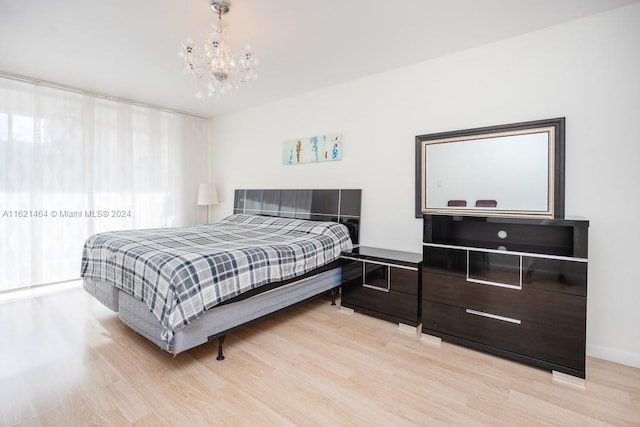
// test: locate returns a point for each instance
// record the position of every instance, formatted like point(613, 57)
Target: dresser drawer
point(548, 344)
point(558, 275)
point(527, 304)
point(445, 260)
point(569, 277)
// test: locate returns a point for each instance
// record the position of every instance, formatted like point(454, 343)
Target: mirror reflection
point(506, 173)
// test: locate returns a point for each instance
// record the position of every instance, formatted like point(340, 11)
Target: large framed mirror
point(508, 170)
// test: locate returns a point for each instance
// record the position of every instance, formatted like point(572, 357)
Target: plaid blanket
point(182, 272)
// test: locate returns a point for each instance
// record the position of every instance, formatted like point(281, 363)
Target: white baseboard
point(613, 355)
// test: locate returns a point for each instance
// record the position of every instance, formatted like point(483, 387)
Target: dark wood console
point(515, 287)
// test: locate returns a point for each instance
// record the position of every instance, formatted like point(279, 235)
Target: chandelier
point(212, 63)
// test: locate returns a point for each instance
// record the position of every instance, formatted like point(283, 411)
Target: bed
point(182, 287)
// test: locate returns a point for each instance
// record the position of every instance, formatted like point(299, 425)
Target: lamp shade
point(207, 195)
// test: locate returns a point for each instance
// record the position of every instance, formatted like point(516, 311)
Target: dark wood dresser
point(515, 287)
point(382, 283)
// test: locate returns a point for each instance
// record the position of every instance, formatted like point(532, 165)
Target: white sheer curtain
point(72, 165)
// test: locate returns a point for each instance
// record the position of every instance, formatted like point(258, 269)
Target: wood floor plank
point(72, 362)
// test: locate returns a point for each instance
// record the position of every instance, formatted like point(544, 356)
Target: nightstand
point(383, 283)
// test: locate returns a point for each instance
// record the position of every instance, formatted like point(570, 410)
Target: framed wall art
point(314, 149)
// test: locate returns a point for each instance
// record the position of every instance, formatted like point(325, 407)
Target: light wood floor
point(65, 360)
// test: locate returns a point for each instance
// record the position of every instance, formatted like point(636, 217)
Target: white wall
point(587, 71)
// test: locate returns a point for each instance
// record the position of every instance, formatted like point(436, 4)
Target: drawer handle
point(493, 316)
point(375, 288)
point(498, 284)
point(492, 283)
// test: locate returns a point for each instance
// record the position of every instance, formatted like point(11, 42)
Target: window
point(77, 165)
point(4, 127)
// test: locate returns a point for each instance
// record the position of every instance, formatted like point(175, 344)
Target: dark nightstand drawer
point(395, 306)
point(403, 280)
point(490, 332)
point(383, 283)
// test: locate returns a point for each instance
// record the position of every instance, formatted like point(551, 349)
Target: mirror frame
point(555, 193)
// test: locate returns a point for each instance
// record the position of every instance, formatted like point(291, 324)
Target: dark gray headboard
point(341, 206)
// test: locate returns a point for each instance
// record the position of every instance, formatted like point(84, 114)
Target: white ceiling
point(128, 48)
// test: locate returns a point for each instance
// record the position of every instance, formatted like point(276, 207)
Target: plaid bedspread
point(182, 272)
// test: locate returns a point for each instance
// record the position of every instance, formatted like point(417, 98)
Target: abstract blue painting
point(323, 148)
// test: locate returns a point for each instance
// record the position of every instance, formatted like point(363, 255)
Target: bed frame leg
point(334, 291)
point(220, 342)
